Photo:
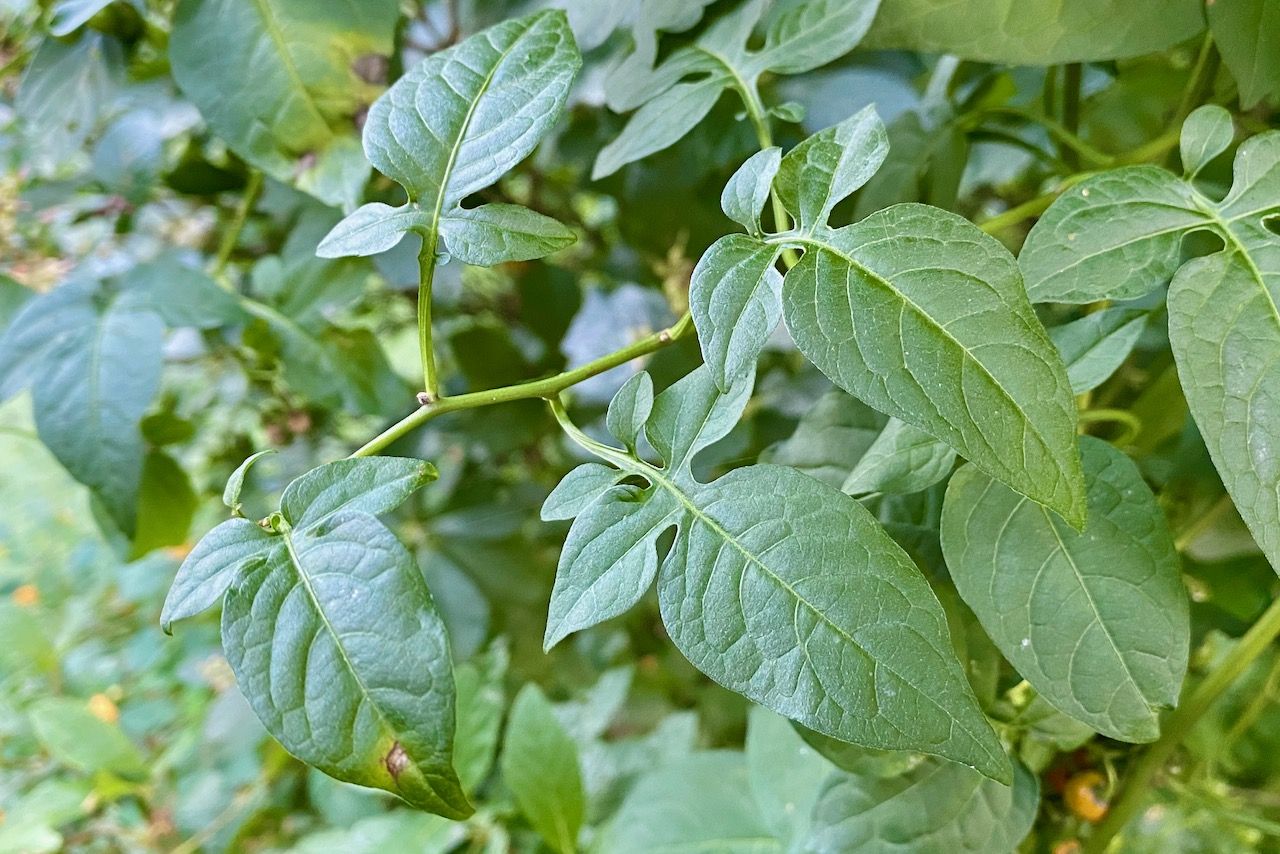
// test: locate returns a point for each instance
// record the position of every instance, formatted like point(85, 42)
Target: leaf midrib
point(272, 27)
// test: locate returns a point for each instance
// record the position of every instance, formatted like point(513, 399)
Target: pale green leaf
point(830, 438)
point(579, 488)
point(540, 766)
point(498, 233)
point(76, 737)
point(1094, 346)
point(70, 15)
point(608, 561)
point(91, 354)
point(1036, 32)
point(802, 36)
point(278, 81)
point(1207, 132)
point(937, 808)
point(829, 166)
point(65, 93)
point(454, 124)
point(220, 558)
point(338, 648)
point(746, 193)
point(1112, 236)
point(373, 485)
point(735, 296)
point(1096, 622)
point(921, 315)
point(235, 483)
point(786, 774)
point(902, 459)
point(630, 409)
point(775, 579)
point(481, 704)
point(658, 816)
point(659, 123)
point(1247, 33)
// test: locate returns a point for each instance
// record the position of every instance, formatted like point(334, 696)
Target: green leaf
point(1247, 33)
point(829, 166)
point(235, 483)
point(65, 93)
point(608, 561)
point(785, 773)
point(400, 830)
point(1036, 32)
point(481, 703)
point(735, 296)
point(166, 505)
point(338, 648)
point(220, 559)
point(629, 410)
point(578, 489)
point(785, 590)
point(921, 315)
point(936, 808)
point(373, 485)
point(656, 817)
point(1207, 133)
point(76, 737)
point(454, 124)
point(1096, 622)
point(91, 355)
point(184, 296)
point(745, 195)
point(830, 438)
point(1112, 236)
point(1097, 344)
point(902, 459)
point(497, 233)
point(278, 81)
point(799, 36)
point(540, 766)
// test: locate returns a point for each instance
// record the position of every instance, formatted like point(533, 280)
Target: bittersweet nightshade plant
point(920, 487)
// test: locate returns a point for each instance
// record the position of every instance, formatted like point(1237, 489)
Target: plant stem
point(1034, 207)
point(545, 388)
point(1200, 83)
point(1137, 782)
point(764, 135)
point(1072, 75)
point(1193, 531)
point(1060, 134)
point(230, 237)
point(426, 275)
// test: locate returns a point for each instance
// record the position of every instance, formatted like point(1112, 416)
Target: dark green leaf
point(1207, 133)
point(540, 765)
point(495, 234)
point(1096, 622)
point(220, 558)
point(1094, 346)
point(902, 459)
point(166, 505)
point(1247, 33)
point(235, 483)
point(373, 485)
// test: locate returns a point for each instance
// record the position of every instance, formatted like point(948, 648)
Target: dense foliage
point(662, 425)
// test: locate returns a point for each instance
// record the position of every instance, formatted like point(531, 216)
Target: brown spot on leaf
point(396, 761)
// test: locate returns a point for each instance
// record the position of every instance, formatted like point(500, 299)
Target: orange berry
point(1082, 797)
point(26, 596)
point(102, 708)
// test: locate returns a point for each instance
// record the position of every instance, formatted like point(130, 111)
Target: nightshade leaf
point(338, 648)
point(220, 558)
point(608, 561)
point(785, 590)
point(735, 296)
point(540, 766)
point(1036, 32)
point(579, 488)
point(935, 808)
point(1206, 133)
point(917, 312)
point(629, 409)
point(746, 193)
point(1224, 308)
point(277, 80)
point(1112, 236)
point(829, 166)
point(902, 459)
point(786, 774)
point(1094, 346)
point(235, 483)
point(454, 124)
point(799, 36)
point(1247, 33)
point(830, 438)
point(1096, 622)
point(90, 353)
point(656, 817)
point(373, 485)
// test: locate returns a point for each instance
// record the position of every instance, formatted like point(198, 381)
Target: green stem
point(1072, 76)
point(1131, 422)
point(764, 135)
point(614, 455)
point(230, 237)
point(426, 276)
point(1032, 208)
point(545, 388)
point(1060, 134)
point(1137, 783)
point(1200, 83)
point(1207, 519)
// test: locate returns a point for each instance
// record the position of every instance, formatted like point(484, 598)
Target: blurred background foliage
point(114, 738)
